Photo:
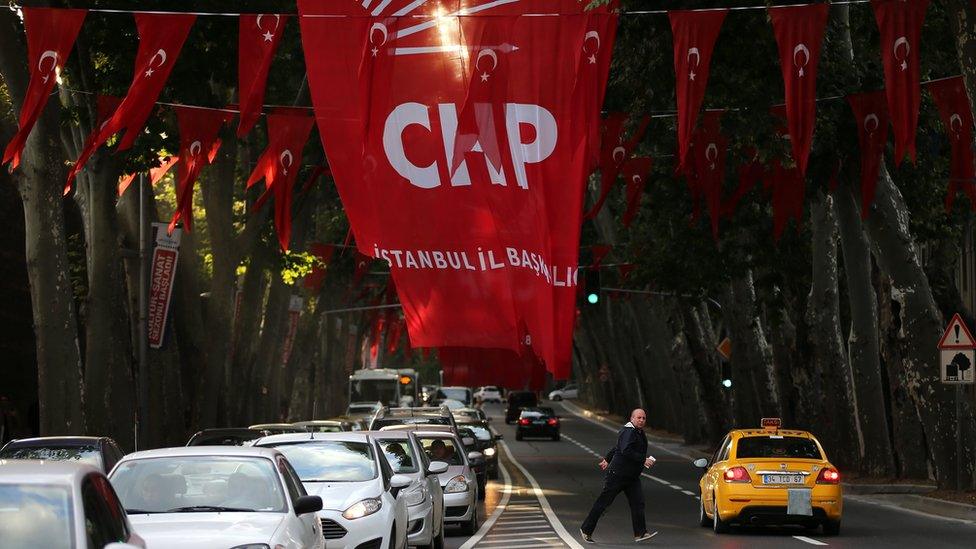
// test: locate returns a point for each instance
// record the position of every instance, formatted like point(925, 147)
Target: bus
point(389, 386)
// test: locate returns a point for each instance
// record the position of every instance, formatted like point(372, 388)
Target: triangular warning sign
point(725, 349)
point(957, 335)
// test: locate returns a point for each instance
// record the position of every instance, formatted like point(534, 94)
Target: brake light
point(553, 422)
point(737, 474)
point(524, 421)
point(828, 476)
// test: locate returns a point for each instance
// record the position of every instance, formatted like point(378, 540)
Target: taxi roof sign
point(772, 423)
point(957, 335)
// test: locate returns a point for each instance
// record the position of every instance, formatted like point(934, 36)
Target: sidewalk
point(906, 496)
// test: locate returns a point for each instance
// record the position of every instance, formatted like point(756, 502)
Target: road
point(519, 516)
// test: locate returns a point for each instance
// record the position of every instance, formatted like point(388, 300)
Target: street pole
point(143, 442)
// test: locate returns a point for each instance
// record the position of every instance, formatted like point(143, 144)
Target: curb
point(857, 489)
point(922, 504)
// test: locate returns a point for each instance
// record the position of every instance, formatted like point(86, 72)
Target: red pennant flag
point(625, 270)
point(280, 163)
point(105, 105)
point(258, 39)
point(613, 155)
point(900, 22)
point(161, 38)
point(957, 118)
point(51, 35)
point(323, 254)
point(695, 33)
point(590, 89)
point(708, 158)
point(363, 262)
point(749, 174)
point(317, 172)
point(155, 174)
point(599, 252)
point(198, 148)
point(799, 33)
point(636, 171)
point(871, 115)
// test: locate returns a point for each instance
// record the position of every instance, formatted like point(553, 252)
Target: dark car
point(226, 437)
point(100, 452)
point(537, 422)
point(329, 425)
point(480, 465)
point(486, 442)
point(518, 400)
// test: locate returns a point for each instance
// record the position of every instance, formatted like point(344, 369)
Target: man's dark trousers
point(613, 485)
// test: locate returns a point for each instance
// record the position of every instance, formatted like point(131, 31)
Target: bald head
point(638, 418)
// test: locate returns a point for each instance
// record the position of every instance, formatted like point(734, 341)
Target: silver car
point(425, 497)
point(459, 482)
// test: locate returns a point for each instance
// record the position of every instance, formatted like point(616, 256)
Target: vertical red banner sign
point(162, 273)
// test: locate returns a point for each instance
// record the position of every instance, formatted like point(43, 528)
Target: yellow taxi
point(770, 476)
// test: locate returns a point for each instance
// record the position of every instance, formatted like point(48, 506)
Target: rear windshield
point(776, 447)
point(537, 412)
point(413, 420)
point(457, 393)
point(85, 454)
point(525, 399)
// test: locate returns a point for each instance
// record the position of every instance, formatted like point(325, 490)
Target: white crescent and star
point(693, 52)
point(161, 54)
point(195, 148)
point(955, 120)
point(587, 37)
point(619, 150)
point(902, 41)
point(372, 32)
point(281, 159)
point(711, 154)
point(636, 179)
point(53, 56)
point(871, 118)
point(268, 34)
point(801, 48)
point(489, 53)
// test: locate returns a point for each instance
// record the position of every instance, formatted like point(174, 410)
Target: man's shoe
point(646, 536)
point(588, 538)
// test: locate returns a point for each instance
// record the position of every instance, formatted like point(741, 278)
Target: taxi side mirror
point(701, 463)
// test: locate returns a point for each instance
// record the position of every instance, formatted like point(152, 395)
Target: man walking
point(624, 464)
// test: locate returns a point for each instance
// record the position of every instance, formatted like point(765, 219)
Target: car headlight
point(489, 452)
point(416, 496)
point(456, 484)
point(362, 508)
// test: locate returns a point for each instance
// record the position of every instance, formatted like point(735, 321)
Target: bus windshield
point(372, 390)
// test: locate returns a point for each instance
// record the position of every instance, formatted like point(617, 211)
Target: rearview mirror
point(701, 463)
point(476, 456)
point(308, 504)
point(397, 483)
point(437, 468)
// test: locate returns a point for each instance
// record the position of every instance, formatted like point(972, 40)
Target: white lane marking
point(687, 493)
point(507, 528)
point(674, 487)
point(527, 539)
point(532, 521)
point(585, 414)
point(485, 526)
point(556, 524)
point(811, 541)
point(519, 534)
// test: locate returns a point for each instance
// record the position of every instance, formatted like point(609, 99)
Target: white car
point(61, 505)
point(488, 393)
point(198, 497)
point(361, 501)
point(425, 497)
point(570, 391)
point(356, 409)
point(459, 482)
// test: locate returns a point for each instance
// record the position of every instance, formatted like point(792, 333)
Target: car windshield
point(442, 449)
point(400, 455)
point(469, 414)
point(181, 484)
point(362, 409)
point(537, 412)
point(411, 420)
point(462, 394)
point(777, 447)
point(35, 515)
point(84, 454)
point(330, 460)
point(480, 432)
point(326, 428)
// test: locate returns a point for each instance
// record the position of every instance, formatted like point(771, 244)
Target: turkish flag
point(105, 105)
point(599, 252)
point(709, 149)
point(258, 38)
point(51, 34)
point(474, 252)
point(161, 38)
point(469, 366)
point(749, 174)
point(614, 152)
point(280, 163)
point(900, 22)
point(601, 32)
point(198, 148)
point(953, 104)
point(636, 171)
point(155, 174)
point(799, 33)
point(871, 116)
point(695, 33)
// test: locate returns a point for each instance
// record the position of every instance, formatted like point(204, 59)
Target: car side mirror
point(397, 483)
point(476, 456)
point(308, 504)
point(701, 463)
point(437, 468)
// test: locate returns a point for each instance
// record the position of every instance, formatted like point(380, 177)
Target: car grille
point(332, 529)
point(456, 511)
point(371, 544)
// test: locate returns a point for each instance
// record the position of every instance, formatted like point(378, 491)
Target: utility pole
point(142, 441)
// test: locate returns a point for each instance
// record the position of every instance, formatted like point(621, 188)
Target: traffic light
point(726, 375)
point(591, 286)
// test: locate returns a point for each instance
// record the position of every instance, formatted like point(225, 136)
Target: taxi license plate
point(782, 479)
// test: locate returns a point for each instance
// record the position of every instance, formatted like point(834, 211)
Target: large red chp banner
point(457, 134)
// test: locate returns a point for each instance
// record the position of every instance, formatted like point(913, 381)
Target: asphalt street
point(549, 486)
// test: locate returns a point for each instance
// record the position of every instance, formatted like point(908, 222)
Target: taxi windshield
point(777, 447)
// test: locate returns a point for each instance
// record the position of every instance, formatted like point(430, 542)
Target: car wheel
point(831, 527)
point(471, 526)
point(718, 525)
point(703, 519)
point(556, 398)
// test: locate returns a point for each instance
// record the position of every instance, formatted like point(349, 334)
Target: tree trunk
point(754, 392)
point(705, 360)
point(38, 181)
point(863, 347)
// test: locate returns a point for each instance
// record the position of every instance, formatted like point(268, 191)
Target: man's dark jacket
point(626, 459)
